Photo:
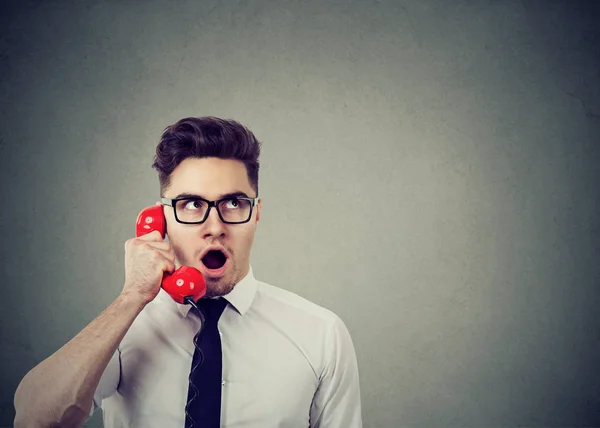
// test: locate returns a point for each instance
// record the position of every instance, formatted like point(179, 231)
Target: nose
point(213, 226)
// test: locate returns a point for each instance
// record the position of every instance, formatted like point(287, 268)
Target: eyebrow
point(238, 194)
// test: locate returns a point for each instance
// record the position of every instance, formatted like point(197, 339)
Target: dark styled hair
point(201, 137)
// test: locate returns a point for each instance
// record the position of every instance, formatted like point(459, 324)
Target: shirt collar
point(240, 297)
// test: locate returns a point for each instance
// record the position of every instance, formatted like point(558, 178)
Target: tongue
point(214, 260)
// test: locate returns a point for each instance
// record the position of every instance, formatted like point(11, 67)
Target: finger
point(148, 249)
point(162, 245)
point(167, 255)
point(167, 265)
point(152, 236)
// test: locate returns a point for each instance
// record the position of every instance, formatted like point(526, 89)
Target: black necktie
point(203, 409)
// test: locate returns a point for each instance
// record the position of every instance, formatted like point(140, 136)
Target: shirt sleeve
point(109, 381)
point(337, 402)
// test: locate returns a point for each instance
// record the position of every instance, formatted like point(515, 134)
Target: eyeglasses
point(232, 210)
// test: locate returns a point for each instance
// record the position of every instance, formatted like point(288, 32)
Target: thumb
point(151, 236)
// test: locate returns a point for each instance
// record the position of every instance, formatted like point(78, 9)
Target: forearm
point(59, 391)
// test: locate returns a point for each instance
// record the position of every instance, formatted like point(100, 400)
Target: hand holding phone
point(154, 258)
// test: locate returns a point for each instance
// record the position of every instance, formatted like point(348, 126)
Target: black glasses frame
point(172, 202)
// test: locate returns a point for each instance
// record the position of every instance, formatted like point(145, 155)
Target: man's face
point(211, 179)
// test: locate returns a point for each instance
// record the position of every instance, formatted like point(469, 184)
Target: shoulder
point(281, 300)
point(318, 331)
point(295, 314)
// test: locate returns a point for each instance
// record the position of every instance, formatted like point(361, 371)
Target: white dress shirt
point(287, 362)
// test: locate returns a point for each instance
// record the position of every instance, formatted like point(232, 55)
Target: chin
point(219, 286)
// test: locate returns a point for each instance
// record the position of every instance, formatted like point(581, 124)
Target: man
point(265, 358)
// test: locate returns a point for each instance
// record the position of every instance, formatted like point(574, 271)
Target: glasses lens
point(232, 210)
point(191, 210)
point(235, 210)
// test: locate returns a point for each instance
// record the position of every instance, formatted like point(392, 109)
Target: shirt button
point(222, 382)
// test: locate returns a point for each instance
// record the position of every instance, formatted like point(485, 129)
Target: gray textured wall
point(429, 172)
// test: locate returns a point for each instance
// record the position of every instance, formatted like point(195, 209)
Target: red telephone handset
point(186, 282)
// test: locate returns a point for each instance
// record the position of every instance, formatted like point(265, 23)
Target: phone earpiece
point(186, 282)
point(149, 220)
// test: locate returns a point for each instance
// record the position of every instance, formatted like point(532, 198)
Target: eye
point(193, 204)
point(232, 204)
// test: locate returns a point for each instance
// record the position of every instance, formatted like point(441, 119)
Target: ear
point(165, 220)
point(258, 210)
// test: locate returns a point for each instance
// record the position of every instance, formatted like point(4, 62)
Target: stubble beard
point(216, 287)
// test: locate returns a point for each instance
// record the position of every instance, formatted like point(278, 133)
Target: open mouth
point(214, 259)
